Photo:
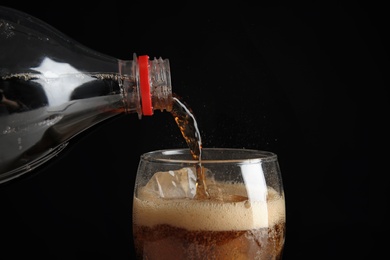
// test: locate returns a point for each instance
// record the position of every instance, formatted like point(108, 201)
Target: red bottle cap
point(146, 96)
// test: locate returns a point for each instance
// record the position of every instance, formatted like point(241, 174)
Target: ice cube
point(176, 184)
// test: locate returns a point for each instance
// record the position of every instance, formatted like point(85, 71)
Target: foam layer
point(150, 210)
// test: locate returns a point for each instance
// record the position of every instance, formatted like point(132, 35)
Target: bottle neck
point(146, 85)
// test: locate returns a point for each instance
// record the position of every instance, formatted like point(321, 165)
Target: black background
point(304, 81)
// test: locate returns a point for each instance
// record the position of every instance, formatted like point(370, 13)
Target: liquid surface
point(150, 210)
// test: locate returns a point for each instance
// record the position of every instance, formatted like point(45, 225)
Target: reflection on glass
point(59, 80)
point(40, 110)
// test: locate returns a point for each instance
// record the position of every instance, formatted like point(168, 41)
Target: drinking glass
point(240, 215)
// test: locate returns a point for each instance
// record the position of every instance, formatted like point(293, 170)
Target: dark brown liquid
point(186, 122)
point(168, 242)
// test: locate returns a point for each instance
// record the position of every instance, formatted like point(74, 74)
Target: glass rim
point(236, 155)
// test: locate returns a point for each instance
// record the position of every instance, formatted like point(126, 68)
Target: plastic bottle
point(52, 88)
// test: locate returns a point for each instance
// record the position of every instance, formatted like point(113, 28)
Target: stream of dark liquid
point(188, 126)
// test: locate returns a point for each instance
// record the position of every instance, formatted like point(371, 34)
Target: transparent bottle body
point(52, 88)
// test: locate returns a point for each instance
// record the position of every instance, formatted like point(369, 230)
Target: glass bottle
point(52, 88)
